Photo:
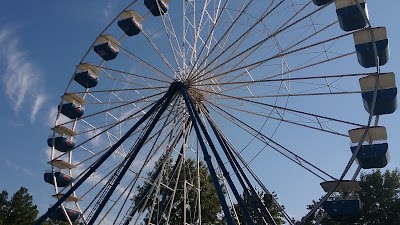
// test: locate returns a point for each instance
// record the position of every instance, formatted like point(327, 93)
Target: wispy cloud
point(108, 10)
point(21, 78)
point(18, 168)
point(37, 105)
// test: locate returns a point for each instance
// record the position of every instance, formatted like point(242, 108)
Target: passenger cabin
point(73, 109)
point(364, 43)
point(62, 141)
point(107, 47)
point(157, 7)
point(374, 151)
point(131, 22)
point(321, 2)
point(386, 95)
point(58, 215)
point(62, 144)
point(349, 15)
point(344, 204)
point(87, 75)
point(62, 179)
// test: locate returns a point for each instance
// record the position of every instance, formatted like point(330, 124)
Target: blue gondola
point(386, 98)
point(349, 15)
point(62, 179)
point(156, 7)
point(106, 50)
point(372, 156)
point(386, 101)
point(321, 2)
point(364, 46)
point(87, 79)
point(62, 144)
point(374, 151)
point(129, 26)
point(71, 110)
point(343, 210)
point(58, 214)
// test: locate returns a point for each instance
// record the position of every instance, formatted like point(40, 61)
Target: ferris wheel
point(266, 95)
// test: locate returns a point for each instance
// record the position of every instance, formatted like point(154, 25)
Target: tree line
point(380, 196)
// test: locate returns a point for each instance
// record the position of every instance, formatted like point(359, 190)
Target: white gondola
point(349, 15)
point(364, 42)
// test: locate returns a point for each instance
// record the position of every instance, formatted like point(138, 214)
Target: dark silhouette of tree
point(252, 208)
point(19, 210)
point(211, 211)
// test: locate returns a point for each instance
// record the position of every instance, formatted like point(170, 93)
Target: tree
point(380, 197)
point(19, 210)
point(267, 201)
point(211, 210)
point(4, 206)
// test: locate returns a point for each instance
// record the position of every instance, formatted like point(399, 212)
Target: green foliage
point(380, 197)
point(210, 205)
point(19, 210)
point(272, 208)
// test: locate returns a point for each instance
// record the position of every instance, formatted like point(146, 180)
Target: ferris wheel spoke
point(318, 125)
point(274, 145)
point(275, 107)
point(279, 55)
point(149, 156)
point(133, 115)
point(161, 55)
point(229, 151)
point(244, 58)
point(132, 74)
point(116, 139)
point(268, 80)
point(172, 39)
point(145, 64)
point(207, 42)
point(102, 132)
point(235, 154)
point(258, 44)
point(266, 13)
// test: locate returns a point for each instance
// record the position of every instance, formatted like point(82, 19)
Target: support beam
point(207, 158)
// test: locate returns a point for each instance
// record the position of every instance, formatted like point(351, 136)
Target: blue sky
point(40, 45)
